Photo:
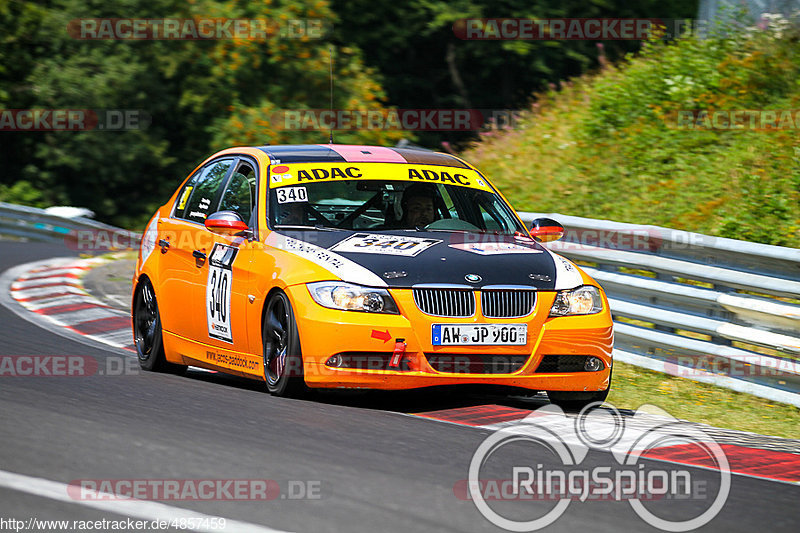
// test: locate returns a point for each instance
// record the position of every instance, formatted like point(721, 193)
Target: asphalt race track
point(368, 465)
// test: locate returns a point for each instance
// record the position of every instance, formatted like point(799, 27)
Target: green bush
point(608, 145)
point(22, 193)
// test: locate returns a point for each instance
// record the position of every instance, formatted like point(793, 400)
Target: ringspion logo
point(541, 458)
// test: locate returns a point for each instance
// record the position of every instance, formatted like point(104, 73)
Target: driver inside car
point(291, 214)
point(418, 205)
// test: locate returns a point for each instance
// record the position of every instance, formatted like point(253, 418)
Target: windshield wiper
point(444, 230)
point(318, 227)
point(494, 232)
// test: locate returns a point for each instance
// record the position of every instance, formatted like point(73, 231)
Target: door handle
point(199, 255)
point(164, 244)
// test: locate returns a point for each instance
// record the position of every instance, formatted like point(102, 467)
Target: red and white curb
point(52, 293)
point(748, 454)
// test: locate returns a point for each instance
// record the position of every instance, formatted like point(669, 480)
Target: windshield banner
point(307, 173)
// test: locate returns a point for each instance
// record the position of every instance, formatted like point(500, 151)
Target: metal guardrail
point(711, 309)
point(82, 234)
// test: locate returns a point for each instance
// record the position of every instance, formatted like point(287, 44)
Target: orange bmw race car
point(334, 266)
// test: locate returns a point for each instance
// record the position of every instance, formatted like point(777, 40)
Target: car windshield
point(390, 204)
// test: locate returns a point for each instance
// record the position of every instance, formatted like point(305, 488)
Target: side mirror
point(226, 223)
point(546, 230)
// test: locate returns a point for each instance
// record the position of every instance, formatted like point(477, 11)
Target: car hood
point(402, 259)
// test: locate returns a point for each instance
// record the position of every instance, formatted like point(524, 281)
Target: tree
point(425, 65)
point(200, 95)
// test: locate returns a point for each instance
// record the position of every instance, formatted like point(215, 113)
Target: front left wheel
point(147, 332)
point(577, 401)
point(283, 361)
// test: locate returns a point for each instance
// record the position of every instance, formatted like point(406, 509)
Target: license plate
point(479, 334)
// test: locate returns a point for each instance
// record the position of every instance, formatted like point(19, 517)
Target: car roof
point(346, 153)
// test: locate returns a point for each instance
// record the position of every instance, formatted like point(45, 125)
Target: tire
point(147, 332)
point(283, 361)
point(576, 401)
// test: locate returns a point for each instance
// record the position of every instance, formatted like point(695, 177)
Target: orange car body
point(176, 256)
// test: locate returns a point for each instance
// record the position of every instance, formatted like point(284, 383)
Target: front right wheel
point(283, 361)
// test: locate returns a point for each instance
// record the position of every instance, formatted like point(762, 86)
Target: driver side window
point(241, 193)
point(204, 196)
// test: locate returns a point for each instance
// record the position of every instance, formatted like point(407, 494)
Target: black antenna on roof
point(330, 138)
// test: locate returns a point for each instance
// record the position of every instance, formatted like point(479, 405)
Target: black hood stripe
point(445, 264)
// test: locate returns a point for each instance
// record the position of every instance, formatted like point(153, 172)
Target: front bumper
point(327, 332)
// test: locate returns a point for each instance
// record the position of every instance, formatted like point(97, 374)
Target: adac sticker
point(218, 292)
point(303, 174)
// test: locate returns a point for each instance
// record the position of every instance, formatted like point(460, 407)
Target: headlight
point(584, 300)
point(349, 297)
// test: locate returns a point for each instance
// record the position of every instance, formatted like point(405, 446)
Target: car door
point(183, 240)
point(223, 299)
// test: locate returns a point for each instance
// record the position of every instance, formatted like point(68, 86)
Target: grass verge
point(690, 400)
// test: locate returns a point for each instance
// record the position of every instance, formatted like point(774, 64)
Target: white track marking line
point(142, 509)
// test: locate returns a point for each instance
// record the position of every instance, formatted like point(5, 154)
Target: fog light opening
point(593, 364)
point(335, 361)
